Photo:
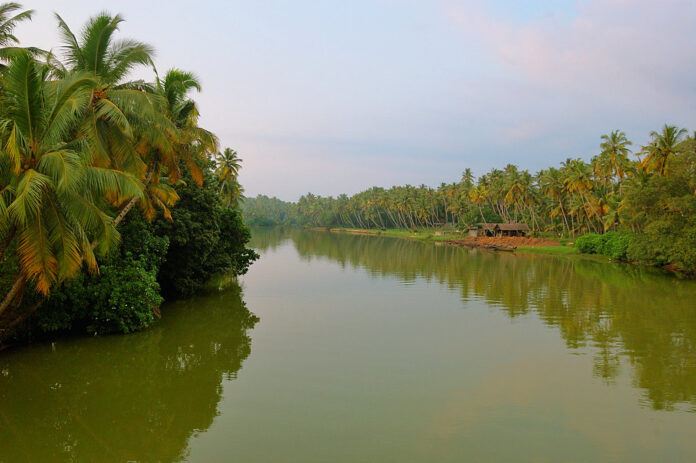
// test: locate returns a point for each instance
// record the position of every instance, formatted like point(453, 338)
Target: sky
point(336, 96)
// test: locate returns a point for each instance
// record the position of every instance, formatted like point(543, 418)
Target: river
point(346, 348)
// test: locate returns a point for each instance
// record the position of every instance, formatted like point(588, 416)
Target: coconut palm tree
point(115, 102)
point(551, 184)
point(615, 150)
point(479, 196)
point(232, 192)
point(50, 191)
point(228, 165)
point(168, 142)
point(662, 147)
point(9, 18)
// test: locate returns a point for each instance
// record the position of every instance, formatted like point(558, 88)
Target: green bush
point(616, 245)
point(665, 242)
point(611, 244)
point(122, 298)
point(589, 243)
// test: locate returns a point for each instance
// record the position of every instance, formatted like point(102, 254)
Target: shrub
point(589, 243)
point(122, 298)
point(611, 244)
point(616, 245)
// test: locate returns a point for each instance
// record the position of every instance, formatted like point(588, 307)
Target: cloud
point(625, 51)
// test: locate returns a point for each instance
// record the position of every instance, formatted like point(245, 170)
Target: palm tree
point(50, 191)
point(8, 22)
point(479, 195)
point(115, 102)
point(233, 191)
point(579, 185)
point(170, 141)
point(662, 147)
point(615, 149)
point(228, 165)
point(467, 177)
point(551, 183)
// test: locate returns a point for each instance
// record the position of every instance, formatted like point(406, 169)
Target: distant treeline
point(263, 211)
point(648, 194)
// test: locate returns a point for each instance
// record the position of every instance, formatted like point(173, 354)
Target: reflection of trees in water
point(124, 398)
point(620, 311)
point(265, 238)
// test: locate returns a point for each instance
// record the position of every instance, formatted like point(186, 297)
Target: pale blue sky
point(334, 96)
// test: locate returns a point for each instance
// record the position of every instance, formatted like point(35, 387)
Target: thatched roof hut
point(502, 229)
point(519, 227)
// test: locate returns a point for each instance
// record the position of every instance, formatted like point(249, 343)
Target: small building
point(486, 229)
point(511, 229)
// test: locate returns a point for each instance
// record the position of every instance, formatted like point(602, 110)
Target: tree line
point(649, 192)
point(88, 156)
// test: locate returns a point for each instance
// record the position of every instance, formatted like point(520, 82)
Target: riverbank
point(516, 245)
point(542, 246)
point(417, 234)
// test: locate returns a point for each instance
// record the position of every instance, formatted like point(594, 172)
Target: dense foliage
point(175, 257)
point(123, 297)
point(611, 244)
point(81, 148)
point(263, 211)
point(204, 239)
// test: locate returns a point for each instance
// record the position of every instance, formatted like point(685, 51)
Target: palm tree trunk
point(129, 205)
point(481, 212)
point(12, 294)
point(565, 218)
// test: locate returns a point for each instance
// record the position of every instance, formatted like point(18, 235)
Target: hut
point(486, 229)
point(511, 229)
point(499, 229)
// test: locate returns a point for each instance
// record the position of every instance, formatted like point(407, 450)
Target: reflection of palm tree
point(148, 408)
point(590, 303)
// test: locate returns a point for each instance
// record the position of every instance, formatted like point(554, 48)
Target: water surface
point(349, 348)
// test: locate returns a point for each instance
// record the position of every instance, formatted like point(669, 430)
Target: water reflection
point(124, 398)
point(625, 316)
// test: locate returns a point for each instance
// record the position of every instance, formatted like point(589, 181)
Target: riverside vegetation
point(112, 196)
point(636, 206)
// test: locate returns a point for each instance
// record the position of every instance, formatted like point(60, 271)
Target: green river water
point(346, 348)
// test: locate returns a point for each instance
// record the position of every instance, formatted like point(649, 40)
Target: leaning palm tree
point(50, 192)
point(661, 149)
point(167, 143)
point(114, 100)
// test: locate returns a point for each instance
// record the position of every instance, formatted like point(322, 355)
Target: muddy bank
point(507, 242)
